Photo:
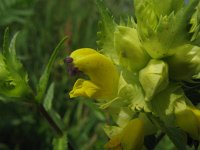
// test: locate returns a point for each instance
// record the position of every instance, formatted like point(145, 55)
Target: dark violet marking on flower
point(68, 60)
point(72, 70)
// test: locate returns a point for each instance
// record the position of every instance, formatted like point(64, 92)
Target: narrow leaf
point(45, 76)
point(6, 40)
point(49, 97)
point(56, 118)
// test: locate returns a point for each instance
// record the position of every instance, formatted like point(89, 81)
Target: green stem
point(51, 122)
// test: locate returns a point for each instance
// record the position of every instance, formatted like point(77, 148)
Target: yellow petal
point(100, 69)
point(83, 88)
point(133, 135)
point(130, 138)
point(114, 143)
point(189, 121)
point(197, 113)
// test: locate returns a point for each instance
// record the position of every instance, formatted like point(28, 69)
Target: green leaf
point(179, 32)
point(6, 40)
point(167, 6)
point(9, 52)
point(147, 18)
point(128, 22)
point(42, 85)
point(106, 33)
point(195, 28)
point(49, 97)
point(146, 8)
point(11, 59)
point(56, 118)
point(60, 143)
point(3, 68)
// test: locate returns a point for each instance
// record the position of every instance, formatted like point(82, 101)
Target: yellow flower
point(103, 75)
point(131, 137)
point(114, 143)
point(189, 121)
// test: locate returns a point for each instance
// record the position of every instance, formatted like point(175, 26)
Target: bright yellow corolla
point(189, 121)
point(131, 137)
point(103, 75)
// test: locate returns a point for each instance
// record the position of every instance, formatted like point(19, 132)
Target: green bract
point(195, 20)
point(13, 78)
point(162, 30)
point(129, 48)
point(3, 71)
point(184, 63)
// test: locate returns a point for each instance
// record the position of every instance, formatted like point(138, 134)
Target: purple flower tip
point(68, 60)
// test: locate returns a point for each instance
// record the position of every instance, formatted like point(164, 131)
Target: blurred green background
point(42, 24)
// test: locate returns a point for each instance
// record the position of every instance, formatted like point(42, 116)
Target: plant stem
point(51, 122)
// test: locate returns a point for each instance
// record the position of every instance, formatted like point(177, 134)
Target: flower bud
point(129, 48)
point(133, 135)
point(188, 119)
point(185, 63)
point(154, 78)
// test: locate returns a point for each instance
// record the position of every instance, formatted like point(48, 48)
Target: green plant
point(15, 87)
